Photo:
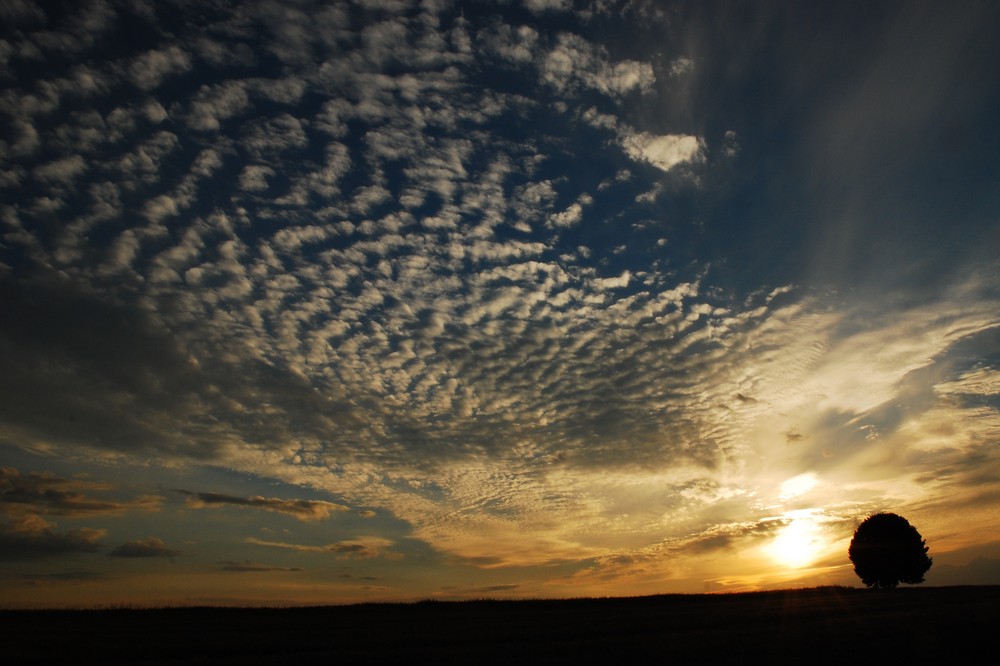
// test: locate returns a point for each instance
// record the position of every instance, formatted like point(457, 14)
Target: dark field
point(811, 626)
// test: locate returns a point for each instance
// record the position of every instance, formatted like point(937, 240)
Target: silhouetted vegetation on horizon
point(825, 625)
point(886, 551)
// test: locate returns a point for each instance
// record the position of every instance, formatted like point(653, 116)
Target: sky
point(330, 302)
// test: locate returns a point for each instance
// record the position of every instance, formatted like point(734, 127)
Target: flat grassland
point(815, 626)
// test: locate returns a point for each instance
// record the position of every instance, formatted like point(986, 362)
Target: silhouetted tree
point(886, 550)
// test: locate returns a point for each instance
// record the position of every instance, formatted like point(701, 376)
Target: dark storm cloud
point(146, 547)
point(306, 510)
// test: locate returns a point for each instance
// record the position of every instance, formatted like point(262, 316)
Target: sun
point(798, 544)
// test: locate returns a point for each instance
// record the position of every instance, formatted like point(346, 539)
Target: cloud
point(548, 5)
point(27, 139)
point(730, 146)
point(305, 510)
point(63, 171)
point(146, 160)
point(287, 90)
point(595, 118)
point(214, 104)
point(361, 548)
point(613, 283)
point(574, 61)
point(250, 567)
point(147, 547)
point(21, 12)
point(149, 69)
point(512, 44)
point(392, 6)
point(52, 495)
point(114, 349)
point(184, 195)
point(384, 42)
point(24, 498)
point(156, 210)
point(29, 537)
point(681, 66)
point(89, 131)
point(663, 151)
point(273, 136)
point(254, 178)
point(567, 218)
point(224, 54)
point(154, 111)
point(390, 265)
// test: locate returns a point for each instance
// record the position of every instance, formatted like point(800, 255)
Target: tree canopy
point(886, 550)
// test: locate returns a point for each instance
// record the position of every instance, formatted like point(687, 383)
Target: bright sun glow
point(797, 485)
point(798, 544)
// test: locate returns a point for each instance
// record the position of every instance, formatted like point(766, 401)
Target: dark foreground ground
point(811, 626)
